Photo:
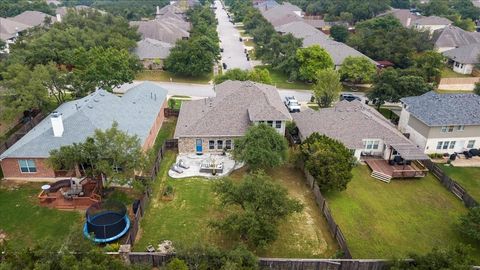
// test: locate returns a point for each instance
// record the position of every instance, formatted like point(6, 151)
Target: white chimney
point(409, 21)
point(158, 10)
point(57, 124)
point(59, 18)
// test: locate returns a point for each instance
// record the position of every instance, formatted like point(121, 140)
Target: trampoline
point(106, 222)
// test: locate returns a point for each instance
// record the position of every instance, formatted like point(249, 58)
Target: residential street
point(233, 54)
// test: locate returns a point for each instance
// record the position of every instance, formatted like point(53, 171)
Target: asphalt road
point(233, 54)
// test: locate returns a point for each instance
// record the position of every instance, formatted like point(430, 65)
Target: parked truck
point(292, 104)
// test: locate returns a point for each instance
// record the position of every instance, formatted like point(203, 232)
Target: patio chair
point(176, 169)
point(182, 164)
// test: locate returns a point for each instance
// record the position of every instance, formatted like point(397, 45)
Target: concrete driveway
point(233, 54)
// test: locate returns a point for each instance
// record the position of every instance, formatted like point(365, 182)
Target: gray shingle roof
point(432, 20)
point(312, 36)
point(452, 36)
point(152, 49)
point(230, 113)
point(445, 109)
point(167, 30)
point(349, 123)
point(467, 54)
point(135, 113)
point(31, 18)
point(405, 16)
point(282, 14)
point(9, 28)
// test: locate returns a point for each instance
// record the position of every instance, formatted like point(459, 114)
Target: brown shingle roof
point(230, 113)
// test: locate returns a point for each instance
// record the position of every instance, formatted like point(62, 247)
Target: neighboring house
point(211, 125)
point(33, 18)
point(369, 136)
point(312, 36)
point(417, 21)
point(463, 59)
point(152, 52)
point(138, 112)
point(283, 14)
point(452, 37)
point(264, 5)
point(442, 123)
point(405, 16)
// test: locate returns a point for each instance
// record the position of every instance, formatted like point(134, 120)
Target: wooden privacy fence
point(332, 225)
point(167, 145)
point(23, 128)
point(451, 184)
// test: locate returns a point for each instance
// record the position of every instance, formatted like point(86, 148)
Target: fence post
point(124, 252)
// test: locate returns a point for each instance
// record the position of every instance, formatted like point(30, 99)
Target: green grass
point(468, 177)
point(381, 220)
point(387, 113)
point(249, 43)
point(164, 76)
point(26, 223)
point(281, 80)
point(449, 73)
point(166, 132)
point(178, 103)
point(185, 219)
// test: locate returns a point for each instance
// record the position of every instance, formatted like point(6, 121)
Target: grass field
point(281, 80)
point(469, 178)
point(164, 76)
point(449, 73)
point(26, 223)
point(185, 219)
point(383, 220)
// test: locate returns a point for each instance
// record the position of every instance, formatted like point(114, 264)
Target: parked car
point(349, 97)
point(292, 104)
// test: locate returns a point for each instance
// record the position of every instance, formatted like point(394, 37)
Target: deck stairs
point(381, 176)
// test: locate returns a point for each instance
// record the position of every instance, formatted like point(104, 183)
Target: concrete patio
point(194, 161)
point(463, 162)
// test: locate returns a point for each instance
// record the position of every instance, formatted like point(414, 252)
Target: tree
point(470, 224)
point(390, 86)
point(431, 63)
point(104, 68)
point(177, 264)
point(311, 60)
point(477, 88)
point(199, 256)
point(111, 153)
point(339, 33)
point(357, 69)
point(262, 147)
point(328, 161)
point(262, 205)
point(327, 87)
point(455, 258)
point(256, 75)
point(57, 80)
point(24, 91)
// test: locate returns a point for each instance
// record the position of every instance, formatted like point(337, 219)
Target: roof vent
point(90, 106)
point(57, 124)
point(102, 94)
point(96, 100)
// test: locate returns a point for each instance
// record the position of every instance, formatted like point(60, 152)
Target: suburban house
point(414, 20)
point(312, 36)
point(13, 27)
point(452, 37)
point(138, 112)
point(152, 52)
point(211, 125)
point(463, 59)
point(282, 14)
point(369, 135)
point(442, 123)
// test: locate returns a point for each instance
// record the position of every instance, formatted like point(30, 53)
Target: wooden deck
point(385, 172)
point(58, 201)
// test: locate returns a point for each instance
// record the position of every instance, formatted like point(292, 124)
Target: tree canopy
point(10, 8)
point(327, 87)
point(260, 75)
point(391, 85)
point(111, 153)
point(339, 33)
point(328, 161)
point(357, 69)
point(262, 147)
point(262, 203)
point(430, 63)
point(311, 60)
point(470, 224)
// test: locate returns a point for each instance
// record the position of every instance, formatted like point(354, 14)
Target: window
point(471, 143)
point(371, 144)
point(460, 128)
point(261, 122)
point(445, 145)
point(270, 123)
point(211, 144)
point(439, 145)
point(27, 166)
point(228, 144)
point(219, 144)
point(444, 128)
point(375, 144)
point(448, 128)
point(278, 124)
point(452, 145)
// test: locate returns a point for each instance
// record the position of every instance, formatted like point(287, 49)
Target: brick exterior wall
point(188, 145)
point(150, 141)
point(11, 170)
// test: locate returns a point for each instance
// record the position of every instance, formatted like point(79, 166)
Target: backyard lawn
point(26, 223)
point(449, 73)
point(164, 76)
point(469, 178)
point(281, 80)
point(185, 219)
point(382, 220)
